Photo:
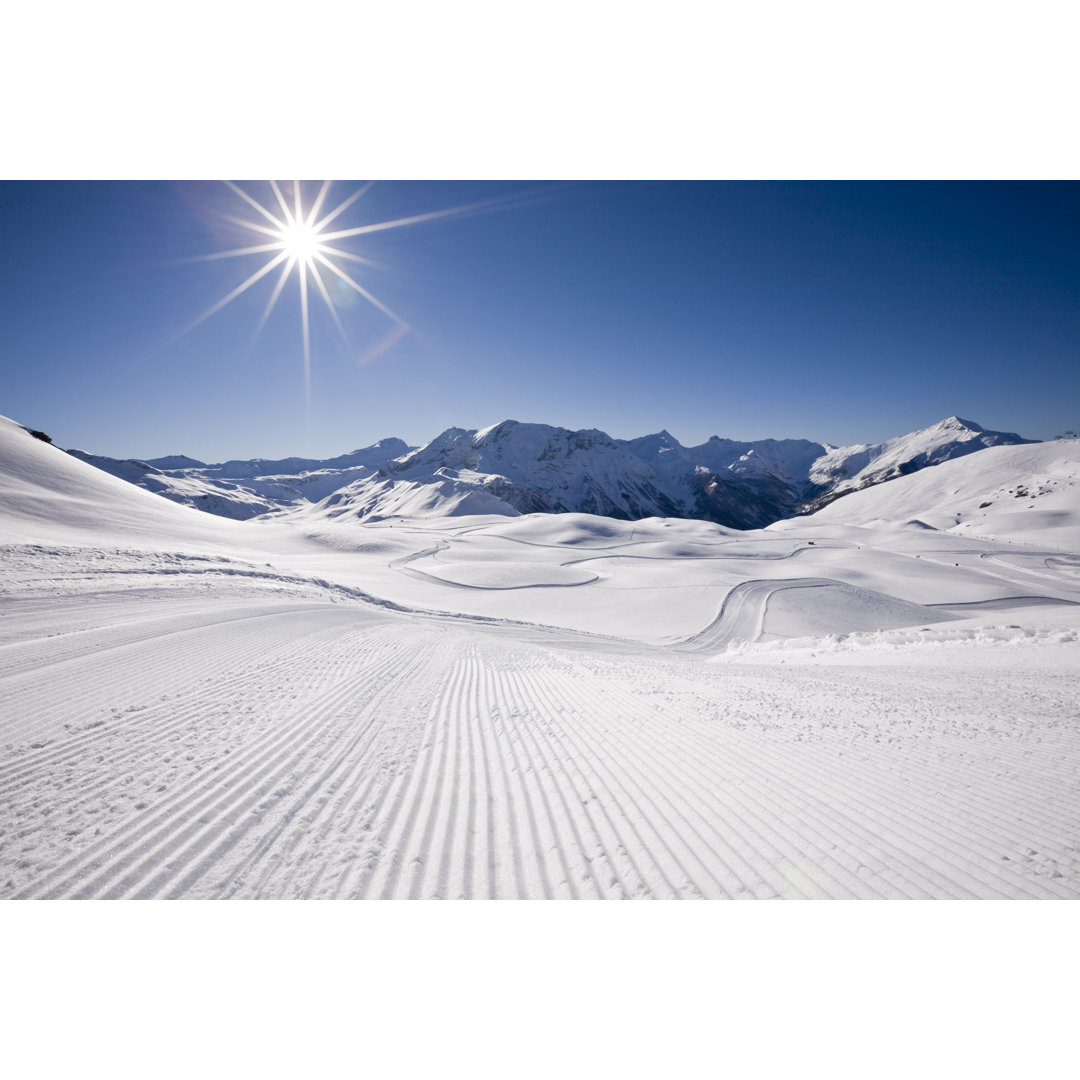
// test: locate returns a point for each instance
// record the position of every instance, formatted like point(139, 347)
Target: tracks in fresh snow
point(305, 750)
point(741, 615)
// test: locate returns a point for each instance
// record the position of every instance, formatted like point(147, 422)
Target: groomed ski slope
point(440, 709)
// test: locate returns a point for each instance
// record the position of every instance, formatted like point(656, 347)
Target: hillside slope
point(851, 468)
point(1025, 494)
point(47, 495)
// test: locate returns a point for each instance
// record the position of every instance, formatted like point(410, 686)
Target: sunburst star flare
point(295, 234)
point(295, 239)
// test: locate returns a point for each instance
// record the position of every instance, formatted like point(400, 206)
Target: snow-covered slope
point(48, 496)
point(444, 493)
point(189, 487)
point(246, 489)
point(849, 468)
point(1028, 494)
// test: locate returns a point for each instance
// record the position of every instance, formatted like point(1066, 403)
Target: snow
point(1028, 494)
point(449, 703)
point(852, 467)
point(246, 489)
point(511, 467)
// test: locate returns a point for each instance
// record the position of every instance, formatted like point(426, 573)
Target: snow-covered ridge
point(1028, 493)
point(850, 468)
point(513, 468)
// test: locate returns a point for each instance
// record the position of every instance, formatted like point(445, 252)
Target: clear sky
point(842, 312)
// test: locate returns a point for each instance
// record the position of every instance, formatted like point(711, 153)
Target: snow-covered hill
point(1027, 494)
point(514, 467)
point(188, 485)
point(48, 496)
point(849, 468)
point(246, 489)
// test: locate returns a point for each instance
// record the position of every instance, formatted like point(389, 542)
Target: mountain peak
point(955, 423)
point(176, 461)
point(495, 431)
point(662, 438)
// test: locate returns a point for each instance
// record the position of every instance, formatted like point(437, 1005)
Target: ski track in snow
point(292, 749)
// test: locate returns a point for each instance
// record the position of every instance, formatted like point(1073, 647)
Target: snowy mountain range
point(515, 468)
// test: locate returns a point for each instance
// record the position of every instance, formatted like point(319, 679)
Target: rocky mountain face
point(540, 469)
point(745, 485)
point(514, 468)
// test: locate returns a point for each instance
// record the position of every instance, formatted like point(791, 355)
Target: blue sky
point(843, 312)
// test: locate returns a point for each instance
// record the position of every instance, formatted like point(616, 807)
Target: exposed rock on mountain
point(516, 468)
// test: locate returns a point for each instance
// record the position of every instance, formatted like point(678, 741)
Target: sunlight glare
point(300, 241)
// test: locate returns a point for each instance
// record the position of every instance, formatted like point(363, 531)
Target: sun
point(300, 242)
point(297, 240)
point(296, 237)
